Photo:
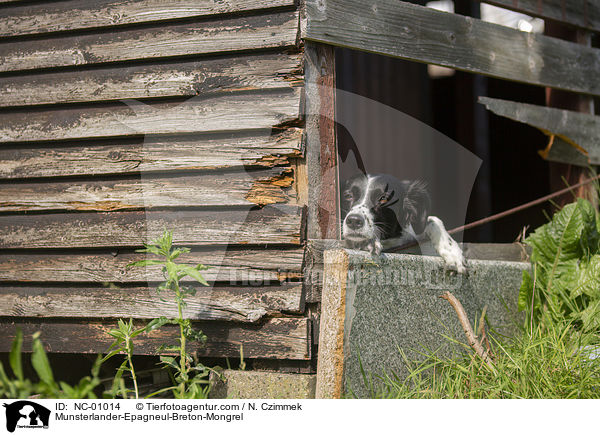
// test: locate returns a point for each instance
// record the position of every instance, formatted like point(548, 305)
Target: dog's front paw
point(453, 257)
point(375, 247)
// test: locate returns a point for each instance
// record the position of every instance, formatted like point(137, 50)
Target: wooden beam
point(225, 113)
point(176, 79)
point(412, 32)
point(153, 154)
point(90, 14)
point(238, 304)
point(575, 129)
point(254, 266)
point(267, 225)
point(276, 30)
point(261, 187)
point(584, 14)
point(281, 338)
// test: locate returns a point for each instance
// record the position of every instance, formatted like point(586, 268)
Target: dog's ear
point(416, 206)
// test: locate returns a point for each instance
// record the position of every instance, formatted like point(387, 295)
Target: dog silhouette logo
point(26, 414)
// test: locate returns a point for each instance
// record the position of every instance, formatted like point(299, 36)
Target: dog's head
point(379, 207)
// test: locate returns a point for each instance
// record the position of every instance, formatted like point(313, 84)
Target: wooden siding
point(119, 119)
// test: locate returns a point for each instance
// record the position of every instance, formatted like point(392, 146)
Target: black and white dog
point(381, 212)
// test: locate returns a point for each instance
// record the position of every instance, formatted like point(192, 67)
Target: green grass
point(543, 363)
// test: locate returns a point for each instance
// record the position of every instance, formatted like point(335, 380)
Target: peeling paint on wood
point(277, 30)
point(139, 155)
point(238, 304)
point(281, 338)
point(267, 225)
point(89, 14)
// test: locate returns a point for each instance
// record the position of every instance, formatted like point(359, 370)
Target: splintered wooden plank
point(259, 187)
point(267, 225)
point(88, 14)
point(253, 72)
point(259, 267)
point(152, 154)
point(280, 338)
point(207, 37)
point(239, 304)
point(412, 32)
point(575, 131)
point(215, 114)
point(580, 13)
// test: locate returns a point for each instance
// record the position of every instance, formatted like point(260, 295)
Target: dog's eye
point(348, 196)
point(384, 198)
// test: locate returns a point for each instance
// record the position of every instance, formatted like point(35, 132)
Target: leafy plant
point(21, 387)
point(565, 277)
point(189, 375)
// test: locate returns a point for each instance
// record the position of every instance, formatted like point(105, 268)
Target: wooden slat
point(227, 35)
point(236, 188)
point(282, 338)
point(222, 113)
point(572, 128)
point(136, 155)
point(88, 14)
point(413, 32)
point(584, 14)
point(262, 71)
point(239, 304)
point(268, 225)
point(235, 266)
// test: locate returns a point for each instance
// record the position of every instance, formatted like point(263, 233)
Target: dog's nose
point(354, 221)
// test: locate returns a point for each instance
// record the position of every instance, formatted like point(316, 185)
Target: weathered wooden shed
point(215, 119)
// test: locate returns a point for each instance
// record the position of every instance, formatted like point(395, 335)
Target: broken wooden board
point(276, 30)
point(90, 14)
point(257, 226)
point(281, 338)
point(584, 14)
point(237, 304)
point(412, 32)
point(573, 129)
point(225, 113)
point(248, 72)
point(243, 266)
point(261, 187)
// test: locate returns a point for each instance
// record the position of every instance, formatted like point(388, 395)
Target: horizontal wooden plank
point(576, 130)
point(89, 14)
point(281, 338)
point(260, 187)
point(198, 38)
point(153, 154)
point(268, 225)
point(224, 113)
point(239, 304)
point(584, 14)
point(257, 266)
point(413, 32)
point(253, 72)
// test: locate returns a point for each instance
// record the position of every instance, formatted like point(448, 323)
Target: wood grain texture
point(275, 30)
point(572, 128)
point(153, 154)
point(267, 225)
point(237, 188)
point(230, 74)
point(584, 14)
point(256, 266)
point(281, 338)
point(238, 304)
point(89, 14)
point(231, 112)
point(417, 33)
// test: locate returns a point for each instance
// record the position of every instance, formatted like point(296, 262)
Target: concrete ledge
point(263, 385)
point(374, 306)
